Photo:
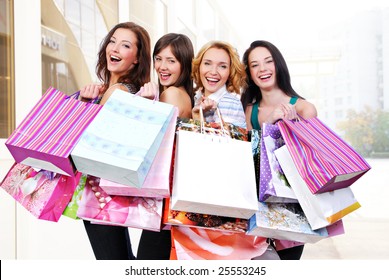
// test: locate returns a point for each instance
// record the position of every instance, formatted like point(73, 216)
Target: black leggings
point(293, 253)
point(154, 245)
point(109, 242)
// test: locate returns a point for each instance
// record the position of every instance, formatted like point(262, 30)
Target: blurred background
point(337, 53)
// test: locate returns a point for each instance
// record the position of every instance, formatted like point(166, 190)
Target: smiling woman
point(124, 62)
point(219, 76)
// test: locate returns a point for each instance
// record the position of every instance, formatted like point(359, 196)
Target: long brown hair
point(140, 73)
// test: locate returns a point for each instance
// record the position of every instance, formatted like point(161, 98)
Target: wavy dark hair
point(182, 48)
point(252, 93)
point(140, 73)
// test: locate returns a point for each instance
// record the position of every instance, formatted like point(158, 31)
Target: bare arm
point(306, 109)
point(248, 117)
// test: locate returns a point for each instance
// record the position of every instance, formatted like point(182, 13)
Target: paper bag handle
point(76, 95)
point(202, 122)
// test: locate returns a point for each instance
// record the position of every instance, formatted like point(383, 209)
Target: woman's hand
point(283, 111)
point(149, 90)
point(206, 104)
point(91, 91)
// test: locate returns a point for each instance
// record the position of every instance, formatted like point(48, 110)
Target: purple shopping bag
point(273, 184)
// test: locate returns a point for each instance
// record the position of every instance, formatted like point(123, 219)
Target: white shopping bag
point(285, 221)
point(122, 141)
point(320, 209)
point(157, 182)
point(214, 174)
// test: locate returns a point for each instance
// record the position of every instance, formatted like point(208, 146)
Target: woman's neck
point(221, 89)
point(113, 79)
point(273, 97)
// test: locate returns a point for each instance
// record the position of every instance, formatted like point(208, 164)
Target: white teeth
point(115, 57)
point(265, 77)
point(212, 80)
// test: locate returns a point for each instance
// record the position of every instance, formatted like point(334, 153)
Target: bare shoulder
point(110, 90)
point(179, 98)
point(174, 94)
point(306, 109)
point(117, 86)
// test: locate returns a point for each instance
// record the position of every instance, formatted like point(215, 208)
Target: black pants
point(154, 245)
point(293, 253)
point(109, 242)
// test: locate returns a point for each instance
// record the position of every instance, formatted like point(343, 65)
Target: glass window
point(73, 11)
point(185, 10)
point(7, 93)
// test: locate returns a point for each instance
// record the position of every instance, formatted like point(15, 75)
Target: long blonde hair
point(237, 78)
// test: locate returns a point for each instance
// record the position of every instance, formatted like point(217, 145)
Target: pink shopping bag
point(47, 135)
point(323, 159)
point(156, 183)
point(42, 193)
point(136, 212)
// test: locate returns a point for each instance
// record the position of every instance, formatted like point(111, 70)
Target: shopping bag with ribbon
point(122, 141)
point(324, 160)
point(136, 212)
point(50, 131)
point(43, 193)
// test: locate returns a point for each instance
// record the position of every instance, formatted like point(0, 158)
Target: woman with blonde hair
point(219, 76)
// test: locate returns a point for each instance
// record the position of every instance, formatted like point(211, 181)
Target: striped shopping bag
point(47, 135)
point(324, 160)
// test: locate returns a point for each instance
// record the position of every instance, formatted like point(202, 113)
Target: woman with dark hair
point(173, 54)
point(124, 63)
point(269, 86)
point(269, 97)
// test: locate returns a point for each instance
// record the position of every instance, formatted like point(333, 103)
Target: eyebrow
point(168, 57)
point(113, 37)
point(263, 59)
point(221, 62)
